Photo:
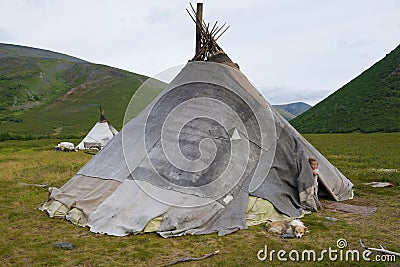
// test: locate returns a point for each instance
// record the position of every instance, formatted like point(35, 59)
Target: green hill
point(46, 93)
point(368, 103)
point(10, 50)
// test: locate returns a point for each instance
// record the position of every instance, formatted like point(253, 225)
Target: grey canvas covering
point(194, 156)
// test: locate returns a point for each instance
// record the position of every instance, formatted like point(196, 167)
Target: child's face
point(314, 165)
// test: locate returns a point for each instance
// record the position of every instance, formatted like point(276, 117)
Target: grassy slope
point(78, 112)
point(31, 76)
point(41, 95)
point(369, 103)
point(28, 235)
point(26, 82)
point(11, 50)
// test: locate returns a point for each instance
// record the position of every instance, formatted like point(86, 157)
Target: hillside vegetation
point(10, 50)
point(46, 93)
point(368, 103)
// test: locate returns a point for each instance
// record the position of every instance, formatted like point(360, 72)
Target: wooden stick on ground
point(39, 185)
point(192, 258)
point(381, 249)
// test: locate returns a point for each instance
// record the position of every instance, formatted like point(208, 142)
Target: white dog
point(290, 227)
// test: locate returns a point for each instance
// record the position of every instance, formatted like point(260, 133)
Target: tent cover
point(195, 161)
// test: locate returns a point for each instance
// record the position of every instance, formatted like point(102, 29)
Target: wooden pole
point(199, 22)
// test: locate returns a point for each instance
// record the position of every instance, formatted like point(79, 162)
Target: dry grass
point(28, 235)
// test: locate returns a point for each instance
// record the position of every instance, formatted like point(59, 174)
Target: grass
point(28, 235)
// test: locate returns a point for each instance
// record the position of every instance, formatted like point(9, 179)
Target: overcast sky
point(293, 50)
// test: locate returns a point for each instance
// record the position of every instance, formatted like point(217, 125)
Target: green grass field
point(28, 235)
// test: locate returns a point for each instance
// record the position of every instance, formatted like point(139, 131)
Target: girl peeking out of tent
point(314, 167)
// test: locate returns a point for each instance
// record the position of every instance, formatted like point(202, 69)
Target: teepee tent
point(209, 154)
point(100, 134)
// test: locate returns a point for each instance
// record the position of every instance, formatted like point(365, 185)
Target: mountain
point(290, 111)
point(287, 115)
point(18, 51)
point(368, 103)
point(48, 93)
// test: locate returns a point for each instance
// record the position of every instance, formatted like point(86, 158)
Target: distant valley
point(292, 110)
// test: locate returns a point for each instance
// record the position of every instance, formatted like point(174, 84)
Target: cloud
point(7, 35)
point(282, 94)
point(38, 3)
point(159, 16)
point(354, 44)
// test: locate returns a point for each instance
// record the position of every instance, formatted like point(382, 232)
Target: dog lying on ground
point(289, 227)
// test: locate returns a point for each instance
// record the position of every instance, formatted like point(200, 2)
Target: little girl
point(314, 167)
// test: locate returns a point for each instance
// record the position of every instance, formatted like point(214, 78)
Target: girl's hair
point(312, 160)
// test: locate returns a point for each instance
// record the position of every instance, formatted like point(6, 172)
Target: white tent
point(100, 134)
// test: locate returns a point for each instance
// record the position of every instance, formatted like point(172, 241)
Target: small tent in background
point(101, 133)
point(207, 155)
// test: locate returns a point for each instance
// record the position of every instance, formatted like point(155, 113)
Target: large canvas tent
point(209, 154)
point(100, 134)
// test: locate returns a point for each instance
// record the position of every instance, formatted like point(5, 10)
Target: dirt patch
point(349, 208)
